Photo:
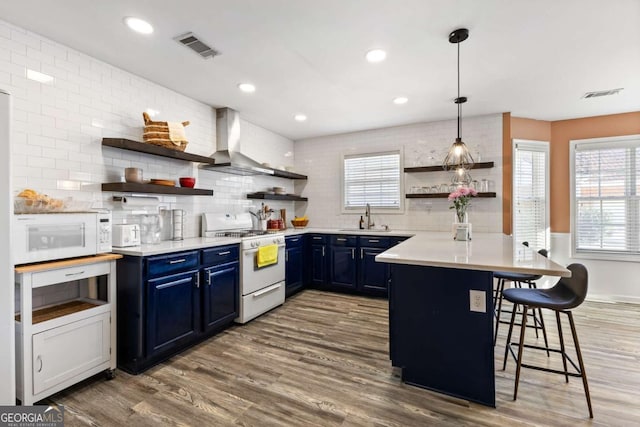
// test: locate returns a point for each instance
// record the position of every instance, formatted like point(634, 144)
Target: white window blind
point(530, 189)
point(607, 196)
point(372, 178)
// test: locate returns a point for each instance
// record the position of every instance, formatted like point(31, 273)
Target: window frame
point(540, 146)
point(595, 254)
point(359, 210)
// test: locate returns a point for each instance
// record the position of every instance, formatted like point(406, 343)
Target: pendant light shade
point(459, 158)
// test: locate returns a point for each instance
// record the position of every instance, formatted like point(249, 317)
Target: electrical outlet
point(477, 301)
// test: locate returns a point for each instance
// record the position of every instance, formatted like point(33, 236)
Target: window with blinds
point(530, 190)
point(606, 196)
point(374, 179)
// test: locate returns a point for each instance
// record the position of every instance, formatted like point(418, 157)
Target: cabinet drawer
point(68, 274)
point(341, 240)
point(317, 239)
point(220, 255)
point(294, 241)
point(172, 263)
point(374, 242)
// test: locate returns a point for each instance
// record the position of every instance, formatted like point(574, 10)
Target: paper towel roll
point(136, 202)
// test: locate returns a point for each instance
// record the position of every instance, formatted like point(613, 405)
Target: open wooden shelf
point(442, 195)
point(140, 147)
point(133, 187)
point(64, 309)
point(438, 168)
point(269, 196)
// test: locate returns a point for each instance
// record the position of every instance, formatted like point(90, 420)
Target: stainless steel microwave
point(48, 237)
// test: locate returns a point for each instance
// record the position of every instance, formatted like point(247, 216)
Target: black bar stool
point(565, 295)
point(518, 279)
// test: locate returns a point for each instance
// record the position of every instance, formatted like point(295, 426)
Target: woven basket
point(157, 133)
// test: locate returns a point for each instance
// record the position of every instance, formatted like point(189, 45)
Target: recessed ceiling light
point(247, 87)
point(400, 100)
point(38, 76)
point(300, 117)
point(376, 55)
point(138, 25)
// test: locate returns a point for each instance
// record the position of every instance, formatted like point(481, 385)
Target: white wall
point(58, 129)
point(423, 144)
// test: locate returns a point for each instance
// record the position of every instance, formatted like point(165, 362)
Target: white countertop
point(169, 246)
point(486, 252)
point(351, 231)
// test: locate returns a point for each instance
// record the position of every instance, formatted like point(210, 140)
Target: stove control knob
point(253, 244)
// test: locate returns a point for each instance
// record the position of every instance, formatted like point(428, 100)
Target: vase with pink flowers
point(461, 198)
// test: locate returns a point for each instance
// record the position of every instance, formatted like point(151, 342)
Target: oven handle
point(267, 290)
point(255, 251)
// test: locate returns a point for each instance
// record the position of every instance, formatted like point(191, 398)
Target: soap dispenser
point(361, 223)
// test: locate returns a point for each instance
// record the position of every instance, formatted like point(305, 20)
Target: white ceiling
point(534, 59)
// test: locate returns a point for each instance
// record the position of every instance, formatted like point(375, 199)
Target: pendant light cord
point(459, 103)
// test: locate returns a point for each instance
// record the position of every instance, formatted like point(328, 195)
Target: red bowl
point(187, 182)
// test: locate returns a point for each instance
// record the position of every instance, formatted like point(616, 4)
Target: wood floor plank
point(322, 359)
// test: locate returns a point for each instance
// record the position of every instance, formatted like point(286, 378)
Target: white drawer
point(261, 301)
point(68, 274)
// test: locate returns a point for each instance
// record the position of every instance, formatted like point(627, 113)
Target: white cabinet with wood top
point(65, 324)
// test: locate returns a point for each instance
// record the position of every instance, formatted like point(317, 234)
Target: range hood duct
point(229, 157)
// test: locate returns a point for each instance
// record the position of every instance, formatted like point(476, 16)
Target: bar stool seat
point(518, 279)
point(565, 295)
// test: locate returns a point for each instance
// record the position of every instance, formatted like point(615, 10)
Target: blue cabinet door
point(318, 265)
point(173, 308)
point(293, 270)
point(374, 276)
point(343, 266)
point(220, 295)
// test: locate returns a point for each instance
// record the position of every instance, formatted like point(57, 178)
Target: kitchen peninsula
point(441, 308)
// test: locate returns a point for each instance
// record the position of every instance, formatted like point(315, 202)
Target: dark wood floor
point(322, 359)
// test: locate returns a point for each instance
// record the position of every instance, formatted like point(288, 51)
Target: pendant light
point(459, 158)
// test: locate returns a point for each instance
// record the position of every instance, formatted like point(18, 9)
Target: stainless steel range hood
point(229, 157)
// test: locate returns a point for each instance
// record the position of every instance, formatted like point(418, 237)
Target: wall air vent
point(197, 45)
point(602, 93)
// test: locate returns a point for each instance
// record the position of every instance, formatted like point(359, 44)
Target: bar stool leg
point(563, 351)
point(497, 313)
point(507, 347)
point(520, 350)
point(583, 374)
point(544, 331)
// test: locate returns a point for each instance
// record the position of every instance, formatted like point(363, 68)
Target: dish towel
point(267, 255)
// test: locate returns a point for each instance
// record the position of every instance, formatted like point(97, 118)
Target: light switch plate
point(477, 301)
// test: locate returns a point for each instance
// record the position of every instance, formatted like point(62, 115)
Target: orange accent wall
point(564, 131)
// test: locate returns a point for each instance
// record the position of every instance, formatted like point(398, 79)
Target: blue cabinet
point(318, 259)
point(169, 302)
point(373, 276)
point(294, 279)
point(343, 267)
point(220, 295)
point(173, 310)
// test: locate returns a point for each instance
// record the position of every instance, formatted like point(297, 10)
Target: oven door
point(253, 278)
point(46, 237)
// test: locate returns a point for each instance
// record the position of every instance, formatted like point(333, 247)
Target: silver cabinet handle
point(74, 274)
point(317, 238)
point(339, 239)
point(224, 253)
point(361, 253)
point(197, 280)
point(323, 251)
point(353, 253)
point(39, 359)
point(209, 278)
point(177, 261)
point(374, 241)
point(286, 256)
point(293, 240)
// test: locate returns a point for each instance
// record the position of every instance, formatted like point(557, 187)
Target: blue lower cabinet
point(343, 266)
point(173, 311)
point(318, 265)
point(220, 295)
point(374, 276)
point(294, 264)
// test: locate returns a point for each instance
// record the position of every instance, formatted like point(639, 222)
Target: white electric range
point(261, 289)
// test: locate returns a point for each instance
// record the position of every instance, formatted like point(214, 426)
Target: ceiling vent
point(197, 45)
point(602, 93)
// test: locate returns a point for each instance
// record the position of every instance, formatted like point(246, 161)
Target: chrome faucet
point(367, 213)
